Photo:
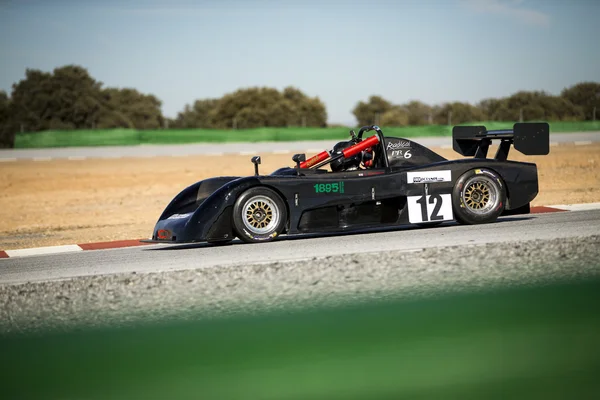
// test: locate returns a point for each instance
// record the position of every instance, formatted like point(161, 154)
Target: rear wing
point(529, 138)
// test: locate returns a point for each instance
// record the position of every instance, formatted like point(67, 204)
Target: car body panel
point(398, 190)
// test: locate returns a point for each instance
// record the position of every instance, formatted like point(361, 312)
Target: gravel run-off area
point(123, 299)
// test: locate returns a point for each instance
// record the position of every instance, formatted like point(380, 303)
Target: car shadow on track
point(392, 229)
point(186, 246)
point(283, 238)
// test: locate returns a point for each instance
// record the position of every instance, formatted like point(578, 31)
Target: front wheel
point(478, 197)
point(259, 215)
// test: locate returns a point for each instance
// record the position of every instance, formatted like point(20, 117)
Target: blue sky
point(341, 51)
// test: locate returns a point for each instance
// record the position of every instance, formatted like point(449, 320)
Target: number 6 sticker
point(432, 208)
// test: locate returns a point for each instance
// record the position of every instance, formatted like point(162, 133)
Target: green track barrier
point(123, 137)
point(526, 343)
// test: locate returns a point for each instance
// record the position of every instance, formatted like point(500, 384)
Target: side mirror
point(298, 158)
point(255, 160)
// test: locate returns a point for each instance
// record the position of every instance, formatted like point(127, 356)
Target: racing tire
point(259, 215)
point(478, 197)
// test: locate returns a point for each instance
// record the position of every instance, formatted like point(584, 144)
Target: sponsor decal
point(311, 162)
point(371, 173)
point(398, 153)
point(163, 234)
point(179, 216)
point(336, 187)
point(486, 172)
point(427, 179)
point(429, 176)
point(401, 144)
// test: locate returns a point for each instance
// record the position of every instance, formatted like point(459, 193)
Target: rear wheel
point(478, 197)
point(259, 215)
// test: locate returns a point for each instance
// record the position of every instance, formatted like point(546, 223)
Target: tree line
point(580, 102)
point(69, 98)
point(254, 108)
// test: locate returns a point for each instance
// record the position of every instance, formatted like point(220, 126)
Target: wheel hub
point(259, 214)
point(477, 195)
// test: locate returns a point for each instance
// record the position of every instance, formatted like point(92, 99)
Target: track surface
point(155, 258)
point(227, 148)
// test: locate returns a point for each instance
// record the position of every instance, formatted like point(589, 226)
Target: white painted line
point(42, 159)
point(179, 155)
point(214, 154)
point(7, 159)
point(578, 207)
point(446, 146)
point(554, 144)
point(281, 151)
point(43, 250)
point(76, 158)
point(247, 153)
point(314, 150)
point(583, 142)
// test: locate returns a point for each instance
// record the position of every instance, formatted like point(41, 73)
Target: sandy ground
point(46, 203)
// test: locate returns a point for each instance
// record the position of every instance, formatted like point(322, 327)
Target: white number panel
point(432, 208)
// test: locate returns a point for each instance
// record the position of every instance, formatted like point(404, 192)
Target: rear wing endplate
point(529, 138)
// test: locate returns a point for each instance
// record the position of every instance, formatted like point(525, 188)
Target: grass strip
point(126, 137)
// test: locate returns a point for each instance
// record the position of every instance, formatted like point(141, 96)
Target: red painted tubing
point(324, 155)
point(360, 146)
point(349, 152)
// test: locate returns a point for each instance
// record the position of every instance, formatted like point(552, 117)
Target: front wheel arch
point(285, 201)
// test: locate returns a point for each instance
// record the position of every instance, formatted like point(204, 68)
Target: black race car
point(372, 182)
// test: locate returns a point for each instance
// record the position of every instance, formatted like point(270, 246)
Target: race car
point(361, 183)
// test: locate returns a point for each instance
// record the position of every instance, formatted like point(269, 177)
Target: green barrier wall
point(124, 137)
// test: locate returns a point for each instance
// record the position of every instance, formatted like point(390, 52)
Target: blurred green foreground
point(526, 343)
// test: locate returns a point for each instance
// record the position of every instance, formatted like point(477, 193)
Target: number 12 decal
point(432, 208)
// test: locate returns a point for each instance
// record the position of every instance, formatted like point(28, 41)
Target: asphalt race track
point(231, 148)
point(159, 282)
point(157, 258)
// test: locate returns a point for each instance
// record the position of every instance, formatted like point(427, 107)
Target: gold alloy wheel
point(261, 215)
point(477, 195)
point(480, 194)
